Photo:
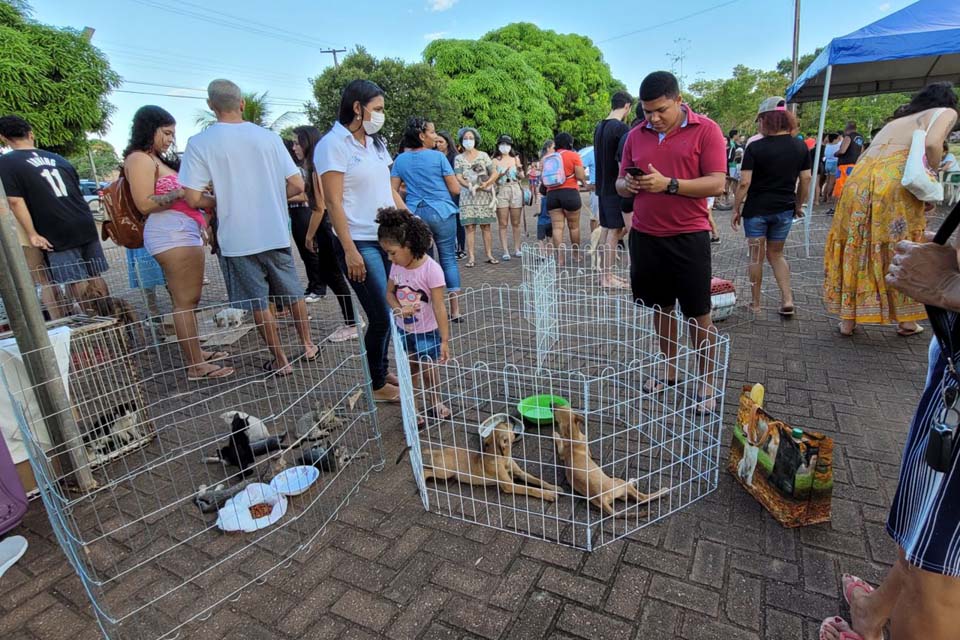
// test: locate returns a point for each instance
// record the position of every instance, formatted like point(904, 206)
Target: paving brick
point(536, 618)
point(510, 594)
point(59, 622)
point(412, 577)
point(684, 595)
point(742, 600)
point(656, 560)
point(365, 609)
point(364, 574)
point(360, 543)
point(583, 623)
point(472, 616)
point(409, 543)
point(699, 628)
point(552, 553)
point(819, 572)
point(17, 616)
point(799, 602)
point(708, 564)
point(626, 594)
point(467, 581)
point(571, 587)
point(681, 534)
point(658, 620)
point(601, 564)
point(310, 607)
point(782, 626)
point(765, 567)
point(417, 615)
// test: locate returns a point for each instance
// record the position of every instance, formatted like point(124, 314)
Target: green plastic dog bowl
point(538, 410)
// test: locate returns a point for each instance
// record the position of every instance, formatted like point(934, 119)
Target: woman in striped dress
point(920, 596)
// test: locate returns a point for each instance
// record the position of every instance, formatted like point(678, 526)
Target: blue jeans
point(772, 226)
point(445, 238)
point(372, 294)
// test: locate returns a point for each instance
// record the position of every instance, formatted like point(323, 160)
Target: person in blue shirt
point(431, 187)
point(590, 166)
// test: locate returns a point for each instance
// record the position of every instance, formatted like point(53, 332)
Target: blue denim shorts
point(772, 226)
point(252, 280)
point(76, 264)
point(421, 346)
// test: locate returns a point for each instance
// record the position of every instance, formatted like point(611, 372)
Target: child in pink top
point(415, 292)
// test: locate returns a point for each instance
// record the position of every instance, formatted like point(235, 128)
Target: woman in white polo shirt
point(354, 168)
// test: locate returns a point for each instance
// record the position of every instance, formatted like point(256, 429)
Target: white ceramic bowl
point(294, 481)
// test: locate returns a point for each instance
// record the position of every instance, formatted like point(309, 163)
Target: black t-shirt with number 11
point(50, 187)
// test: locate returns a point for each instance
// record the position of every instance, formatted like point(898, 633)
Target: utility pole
point(796, 47)
point(677, 58)
point(336, 63)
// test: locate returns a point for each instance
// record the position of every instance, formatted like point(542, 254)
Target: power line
point(168, 95)
point(229, 22)
point(282, 31)
point(173, 86)
point(699, 12)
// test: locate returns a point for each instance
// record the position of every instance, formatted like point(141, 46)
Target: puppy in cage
point(114, 429)
point(415, 291)
point(493, 465)
point(584, 474)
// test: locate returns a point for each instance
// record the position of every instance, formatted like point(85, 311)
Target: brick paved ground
point(722, 569)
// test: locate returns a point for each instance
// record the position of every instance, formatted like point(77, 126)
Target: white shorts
point(594, 206)
point(166, 230)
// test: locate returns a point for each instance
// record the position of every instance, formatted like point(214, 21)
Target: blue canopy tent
point(901, 52)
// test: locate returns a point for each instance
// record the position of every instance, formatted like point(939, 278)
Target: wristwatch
point(673, 187)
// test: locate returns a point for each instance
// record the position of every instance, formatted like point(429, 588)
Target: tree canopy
point(54, 78)
point(527, 82)
point(412, 89)
point(104, 156)
point(733, 101)
point(256, 109)
point(579, 82)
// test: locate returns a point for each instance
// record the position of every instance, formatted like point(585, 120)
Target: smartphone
point(636, 172)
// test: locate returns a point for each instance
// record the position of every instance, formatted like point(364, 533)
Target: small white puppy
point(229, 318)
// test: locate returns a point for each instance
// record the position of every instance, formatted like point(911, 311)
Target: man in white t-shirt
point(252, 176)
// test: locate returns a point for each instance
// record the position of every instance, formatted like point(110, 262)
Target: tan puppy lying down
point(585, 476)
point(495, 466)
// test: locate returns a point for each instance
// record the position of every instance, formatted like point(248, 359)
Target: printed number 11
point(56, 182)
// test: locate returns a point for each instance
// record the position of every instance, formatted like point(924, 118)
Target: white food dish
point(294, 481)
point(235, 514)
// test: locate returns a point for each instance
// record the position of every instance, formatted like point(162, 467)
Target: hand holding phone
point(636, 172)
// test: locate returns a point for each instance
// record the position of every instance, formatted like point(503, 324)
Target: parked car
point(91, 193)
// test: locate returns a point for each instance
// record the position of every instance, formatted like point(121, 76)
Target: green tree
point(54, 78)
point(414, 89)
point(495, 91)
point(104, 156)
point(732, 102)
point(256, 109)
point(579, 82)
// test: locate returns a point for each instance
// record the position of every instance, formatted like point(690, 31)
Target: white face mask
point(375, 123)
point(468, 144)
point(504, 149)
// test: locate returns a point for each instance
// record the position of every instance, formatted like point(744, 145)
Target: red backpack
point(124, 223)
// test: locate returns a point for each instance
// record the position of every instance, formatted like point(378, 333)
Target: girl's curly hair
point(405, 229)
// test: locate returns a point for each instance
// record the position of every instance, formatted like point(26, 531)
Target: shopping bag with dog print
point(789, 471)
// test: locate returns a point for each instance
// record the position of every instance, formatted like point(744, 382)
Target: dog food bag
point(788, 470)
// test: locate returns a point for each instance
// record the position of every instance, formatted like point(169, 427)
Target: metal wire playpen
point(203, 488)
point(521, 361)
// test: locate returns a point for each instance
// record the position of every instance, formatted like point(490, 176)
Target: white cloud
point(441, 5)
point(885, 7)
point(436, 35)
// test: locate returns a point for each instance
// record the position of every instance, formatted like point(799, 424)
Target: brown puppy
point(585, 476)
point(494, 466)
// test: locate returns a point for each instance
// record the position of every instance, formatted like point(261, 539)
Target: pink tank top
point(171, 182)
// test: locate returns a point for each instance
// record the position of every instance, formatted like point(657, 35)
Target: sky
point(167, 51)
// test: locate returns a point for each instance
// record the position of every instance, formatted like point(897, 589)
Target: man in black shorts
point(44, 194)
point(672, 162)
point(606, 144)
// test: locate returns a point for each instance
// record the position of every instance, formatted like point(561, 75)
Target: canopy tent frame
point(811, 201)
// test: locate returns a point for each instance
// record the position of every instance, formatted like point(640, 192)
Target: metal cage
point(595, 353)
point(145, 540)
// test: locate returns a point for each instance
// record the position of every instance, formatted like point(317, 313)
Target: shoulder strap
point(933, 119)
point(939, 318)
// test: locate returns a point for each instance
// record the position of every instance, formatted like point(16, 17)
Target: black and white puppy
point(238, 452)
point(114, 429)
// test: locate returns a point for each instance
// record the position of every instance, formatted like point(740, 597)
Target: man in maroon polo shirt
point(671, 163)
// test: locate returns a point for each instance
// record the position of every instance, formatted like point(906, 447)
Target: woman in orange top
point(563, 201)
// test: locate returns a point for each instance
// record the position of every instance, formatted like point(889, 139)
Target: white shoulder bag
point(918, 178)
